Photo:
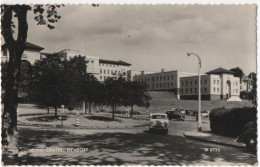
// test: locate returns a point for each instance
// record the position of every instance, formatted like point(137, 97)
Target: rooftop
point(220, 71)
point(28, 46)
point(114, 62)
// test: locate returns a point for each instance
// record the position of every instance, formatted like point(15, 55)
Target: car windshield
point(158, 117)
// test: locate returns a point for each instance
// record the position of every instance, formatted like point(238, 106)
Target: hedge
point(230, 122)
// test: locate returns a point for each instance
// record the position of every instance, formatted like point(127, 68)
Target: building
point(131, 74)
point(218, 84)
point(30, 54)
point(246, 84)
point(163, 81)
point(100, 68)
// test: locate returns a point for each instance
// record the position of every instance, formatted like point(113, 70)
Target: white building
point(30, 54)
point(100, 68)
point(218, 84)
point(163, 81)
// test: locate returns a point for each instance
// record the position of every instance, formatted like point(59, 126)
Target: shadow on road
point(122, 148)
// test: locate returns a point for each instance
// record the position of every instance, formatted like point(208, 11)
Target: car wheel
point(251, 143)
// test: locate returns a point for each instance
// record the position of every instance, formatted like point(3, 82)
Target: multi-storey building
point(100, 68)
point(164, 80)
point(215, 85)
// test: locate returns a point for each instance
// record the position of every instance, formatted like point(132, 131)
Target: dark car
point(174, 114)
point(249, 136)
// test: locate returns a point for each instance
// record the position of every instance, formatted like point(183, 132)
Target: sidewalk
point(213, 138)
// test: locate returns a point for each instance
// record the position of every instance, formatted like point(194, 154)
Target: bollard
point(77, 119)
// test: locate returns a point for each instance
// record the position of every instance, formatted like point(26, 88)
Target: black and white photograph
point(140, 84)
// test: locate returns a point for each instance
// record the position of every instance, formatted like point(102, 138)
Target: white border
point(155, 2)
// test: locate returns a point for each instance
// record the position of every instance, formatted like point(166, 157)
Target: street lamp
point(199, 96)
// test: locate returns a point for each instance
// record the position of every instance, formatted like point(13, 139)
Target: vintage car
point(175, 114)
point(249, 136)
point(159, 122)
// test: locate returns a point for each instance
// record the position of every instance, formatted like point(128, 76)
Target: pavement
point(207, 136)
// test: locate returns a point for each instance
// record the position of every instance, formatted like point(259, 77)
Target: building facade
point(218, 84)
point(246, 84)
point(163, 81)
point(100, 68)
point(30, 54)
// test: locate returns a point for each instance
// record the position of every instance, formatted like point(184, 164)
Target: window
point(163, 77)
point(236, 83)
point(236, 90)
point(157, 78)
point(100, 77)
point(104, 71)
point(168, 85)
point(164, 85)
point(195, 90)
point(172, 76)
point(105, 78)
point(205, 82)
point(214, 81)
point(205, 90)
point(100, 71)
point(181, 91)
point(218, 89)
point(195, 82)
point(148, 79)
point(186, 83)
point(160, 78)
point(214, 89)
point(168, 77)
point(172, 84)
point(152, 78)
point(190, 90)
point(108, 72)
point(181, 83)
point(156, 85)
point(153, 85)
point(218, 82)
point(186, 91)
point(190, 82)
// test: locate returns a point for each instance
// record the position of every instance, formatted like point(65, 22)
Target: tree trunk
point(86, 106)
point(48, 110)
point(89, 109)
point(132, 109)
point(16, 49)
point(56, 111)
point(113, 112)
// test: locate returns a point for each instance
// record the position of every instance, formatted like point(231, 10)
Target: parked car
point(205, 114)
point(159, 122)
point(175, 114)
point(249, 136)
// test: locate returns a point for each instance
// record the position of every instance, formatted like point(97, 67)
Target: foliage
point(231, 121)
point(238, 72)
point(253, 93)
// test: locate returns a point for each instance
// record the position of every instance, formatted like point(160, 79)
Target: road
point(39, 146)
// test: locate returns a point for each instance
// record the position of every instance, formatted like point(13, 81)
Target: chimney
point(162, 70)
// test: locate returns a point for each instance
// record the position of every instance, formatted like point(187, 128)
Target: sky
point(152, 37)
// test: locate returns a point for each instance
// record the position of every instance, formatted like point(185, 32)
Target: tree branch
point(7, 24)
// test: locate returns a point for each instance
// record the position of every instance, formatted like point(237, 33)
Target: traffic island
point(213, 138)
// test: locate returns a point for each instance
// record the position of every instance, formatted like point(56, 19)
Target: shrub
point(230, 121)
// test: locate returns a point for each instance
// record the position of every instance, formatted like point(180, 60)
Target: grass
point(102, 118)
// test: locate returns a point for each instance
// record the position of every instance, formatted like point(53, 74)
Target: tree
point(90, 91)
point(16, 48)
point(238, 72)
point(114, 92)
point(136, 94)
point(253, 92)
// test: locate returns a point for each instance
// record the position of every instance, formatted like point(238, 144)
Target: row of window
point(191, 90)
point(108, 72)
point(190, 83)
point(161, 85)
point(214, 82)
point(161, 78)
point(108, 65)
point(235, 83)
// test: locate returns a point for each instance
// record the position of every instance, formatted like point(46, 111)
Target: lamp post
point(199, 95)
